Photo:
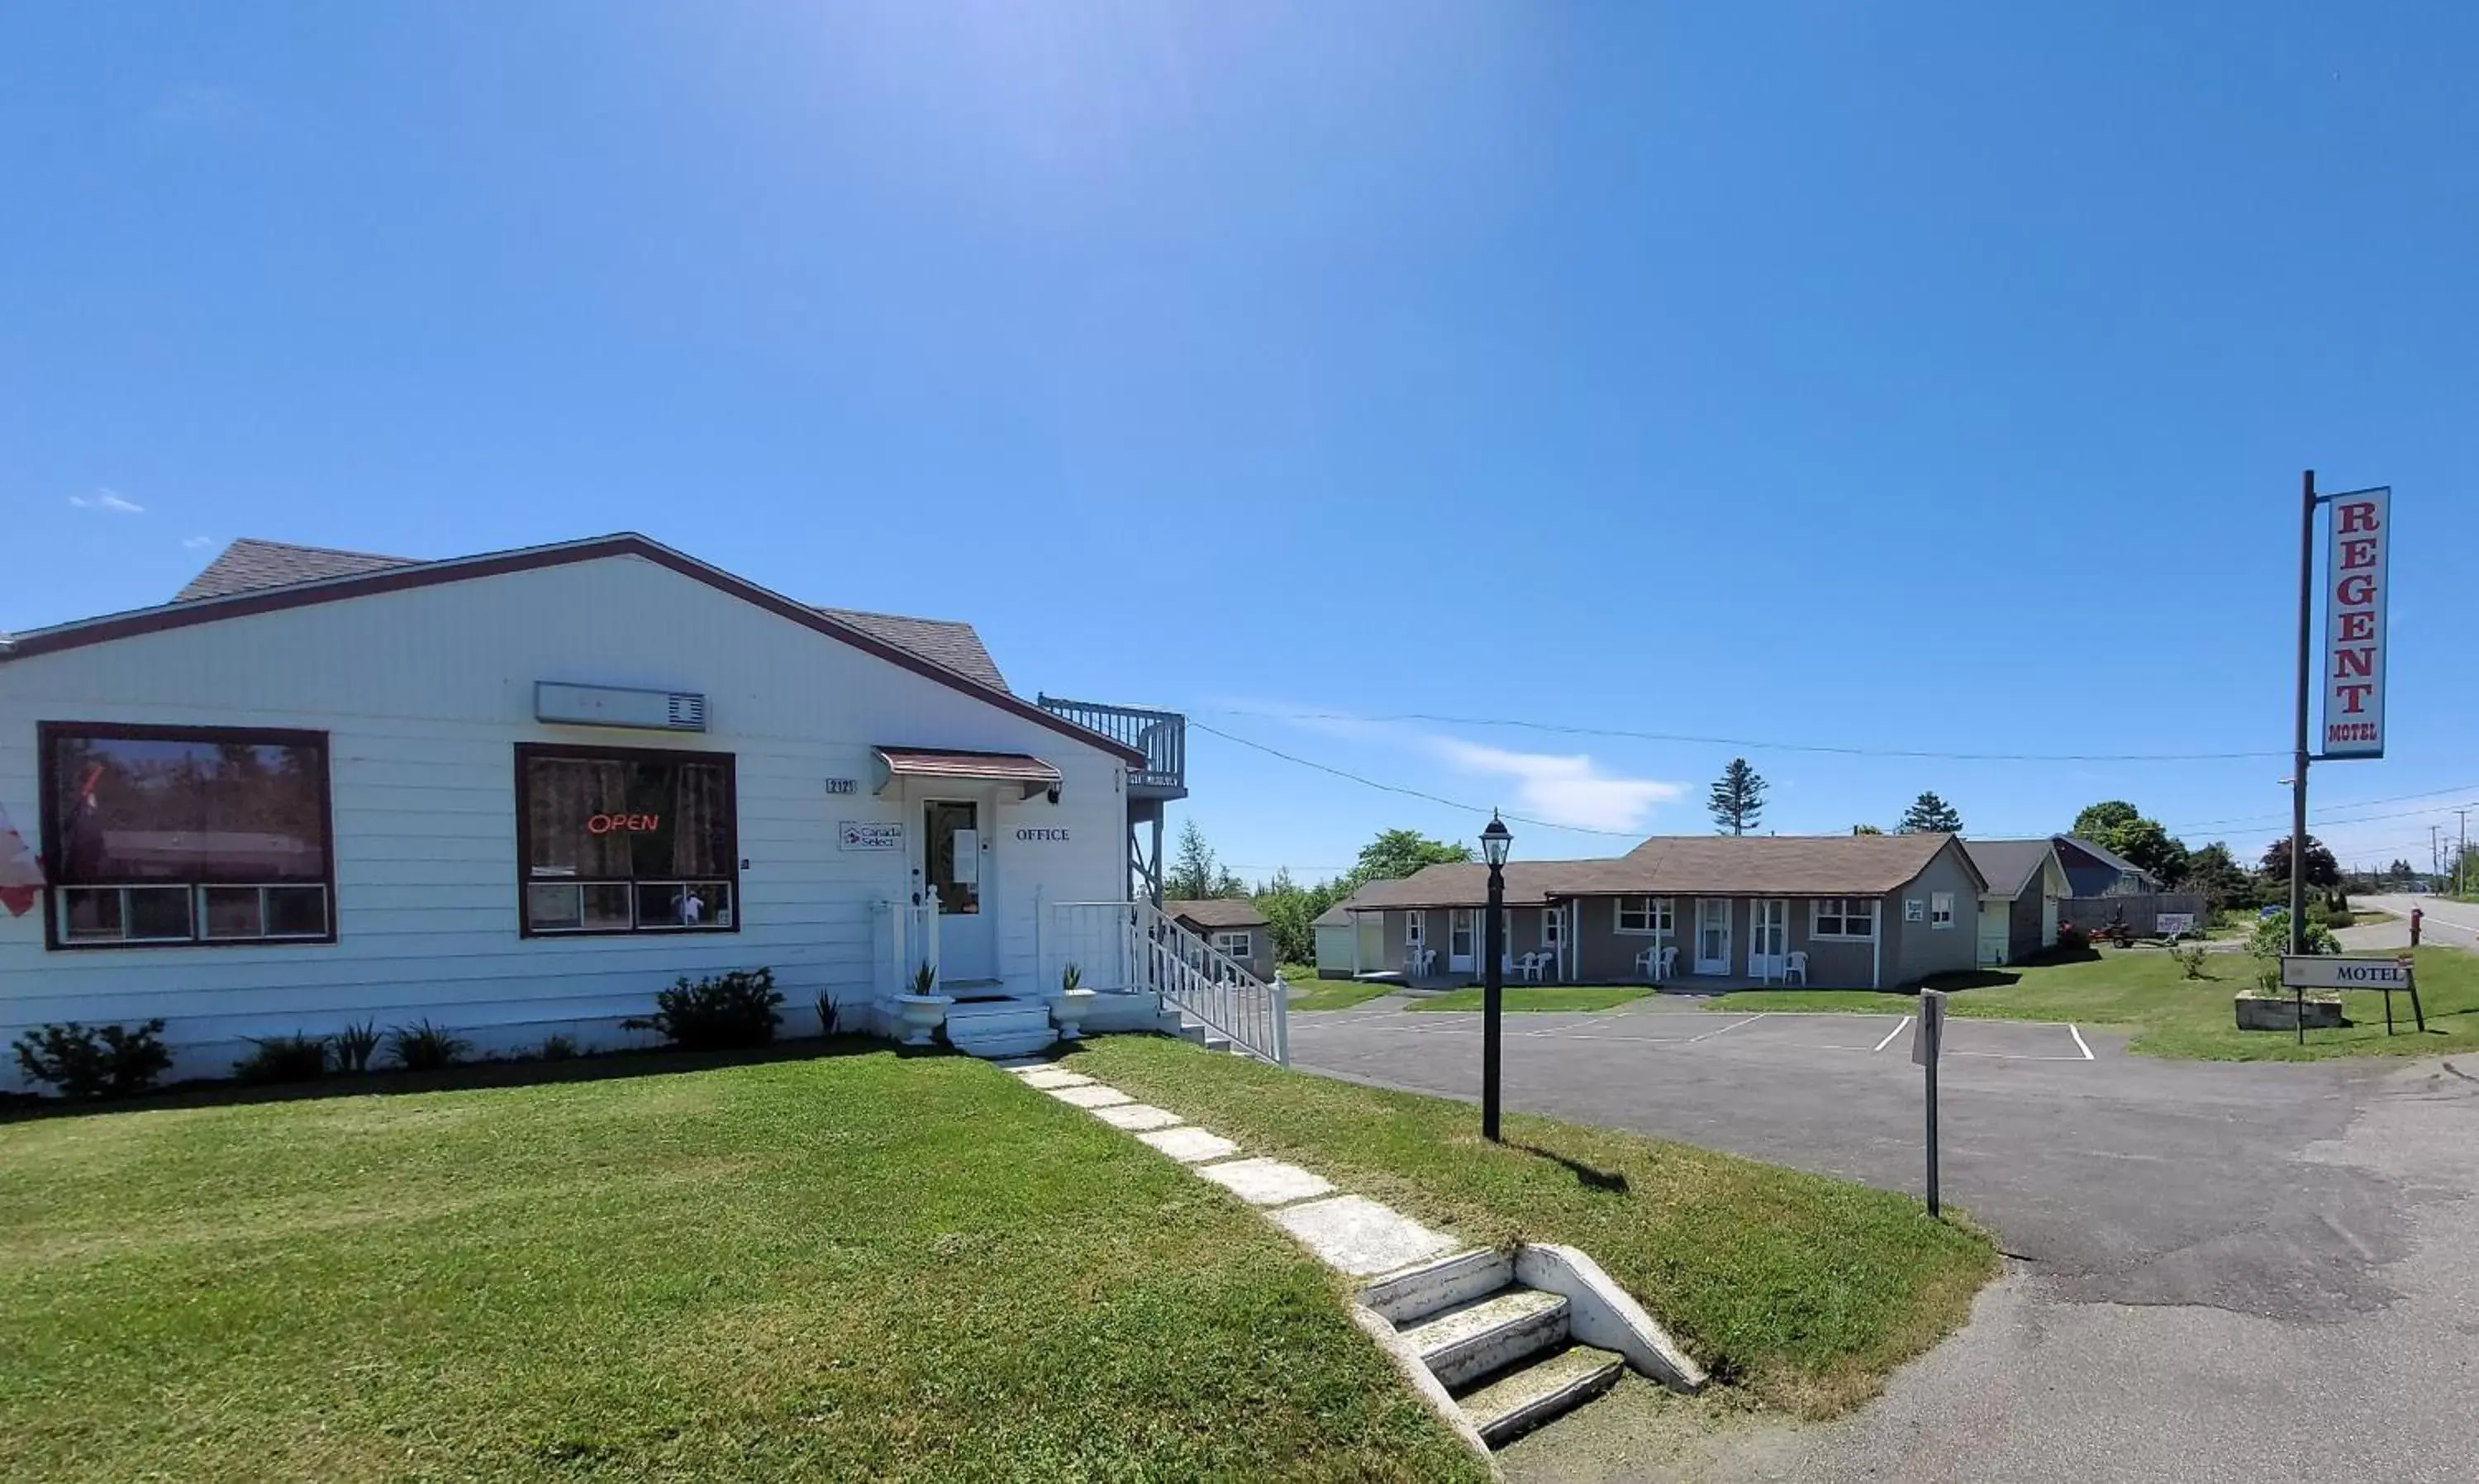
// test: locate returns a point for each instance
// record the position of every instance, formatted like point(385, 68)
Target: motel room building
point(1693, 912)
point(516, 795)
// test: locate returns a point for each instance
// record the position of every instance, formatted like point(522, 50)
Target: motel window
point(623, 840)
point(1553, 926)
point(1843, 917)
point(1940, 908)
point(159, 835)
point(1645, 914)
point(1236, 945)
point(1416, 928)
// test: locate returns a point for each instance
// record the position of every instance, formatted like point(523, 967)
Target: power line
point(2354, 804)
point(1747, 743)
point(1409, 793)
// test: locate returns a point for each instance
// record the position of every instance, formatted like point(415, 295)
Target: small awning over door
point(944, 765)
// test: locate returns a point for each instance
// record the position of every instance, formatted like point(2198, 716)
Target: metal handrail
point(1161, 735)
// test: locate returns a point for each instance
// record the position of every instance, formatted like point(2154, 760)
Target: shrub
point(424, 1047)
point(2071, 938)
point(279, 1059)
point(558, 1048)
point(2191, 959)
point(727, 1013)
point(355, 1045)
point(94, 1061)
point(2271, 937)
point(825, 1014)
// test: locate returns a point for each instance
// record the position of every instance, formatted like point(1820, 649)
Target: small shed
point(1234, 926)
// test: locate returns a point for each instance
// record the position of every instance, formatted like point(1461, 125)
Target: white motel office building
point(517, 794)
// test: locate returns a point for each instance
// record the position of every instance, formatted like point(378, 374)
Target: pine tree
point(1931, 814)
point(1195, 874)
point(1738, 798)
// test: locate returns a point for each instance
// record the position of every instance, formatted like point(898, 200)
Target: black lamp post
point(1494, 842)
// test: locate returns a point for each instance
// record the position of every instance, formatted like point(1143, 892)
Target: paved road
point(2448, 924)
point(2243, 1273)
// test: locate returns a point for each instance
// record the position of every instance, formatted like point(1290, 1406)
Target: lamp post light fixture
point(1494, 842)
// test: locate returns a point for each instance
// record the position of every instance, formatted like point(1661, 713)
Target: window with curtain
point(626, 840)
point(161, 835)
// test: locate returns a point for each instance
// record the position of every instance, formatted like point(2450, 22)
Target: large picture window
point(1848, 917)
point(163, 835)
point(619, 840)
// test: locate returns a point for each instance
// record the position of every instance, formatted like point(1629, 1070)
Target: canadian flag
point(21, 874)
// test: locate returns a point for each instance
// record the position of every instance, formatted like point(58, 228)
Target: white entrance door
point(957, 875)
point(1462, 927)
point(1768, 936)
point(1712, 934)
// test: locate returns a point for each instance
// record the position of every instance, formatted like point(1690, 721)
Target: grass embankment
point(855, 1266)
point(1806, 1290)
point(1539, 997)
point(2171, 1014)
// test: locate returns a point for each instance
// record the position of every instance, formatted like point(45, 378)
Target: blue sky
point(1903, 378)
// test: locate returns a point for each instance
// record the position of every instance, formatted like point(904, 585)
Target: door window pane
point(959, 892)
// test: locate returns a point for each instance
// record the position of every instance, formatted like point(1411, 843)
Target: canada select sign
point(2353, 624)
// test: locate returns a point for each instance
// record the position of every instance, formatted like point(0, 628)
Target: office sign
point(2312, 972)
point(2353, 624)
point(861, 834)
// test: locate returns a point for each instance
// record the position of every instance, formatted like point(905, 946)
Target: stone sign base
point(2262, 1015)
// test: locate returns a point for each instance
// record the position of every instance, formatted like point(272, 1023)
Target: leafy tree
point(1928, 814)
point(1866, 829)
point(2322, 870)
point(1292, 911)
point(2097, 820)
point(1738, 798)
point(2216, 875)
point(1399, 853)
point(2399, 871)
point(1197, 872)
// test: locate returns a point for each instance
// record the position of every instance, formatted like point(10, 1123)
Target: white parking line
point(2079, 1043)
point(1890, 1034)
point(1732, 1026)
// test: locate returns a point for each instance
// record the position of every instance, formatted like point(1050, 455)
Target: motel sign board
point(2353, 624)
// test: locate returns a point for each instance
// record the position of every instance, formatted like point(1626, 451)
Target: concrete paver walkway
point(1350, 1233)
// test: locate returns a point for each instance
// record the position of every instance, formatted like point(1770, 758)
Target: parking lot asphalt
point(2223, 1271)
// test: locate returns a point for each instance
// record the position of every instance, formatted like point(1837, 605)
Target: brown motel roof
point(1217, 912)
point(249, 565)
point(1722, 865)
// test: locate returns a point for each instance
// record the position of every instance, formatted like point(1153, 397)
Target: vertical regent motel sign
point(2353, 624)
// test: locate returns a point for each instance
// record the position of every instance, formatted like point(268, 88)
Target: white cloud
point(1564, 789)
point(197, 542)
point(108, 502)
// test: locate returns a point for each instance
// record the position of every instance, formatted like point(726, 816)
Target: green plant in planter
point(282, 1059)
point(86, 1062)
point(355, 1044)
point(925, 979)
point(424, 1047)
point(1070, 977)
point(727, 1013)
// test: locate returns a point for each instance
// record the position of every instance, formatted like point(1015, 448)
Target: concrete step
point(993, 1046)
point(1415, 1293)
point(1489, 1334)
point(1521, 1400)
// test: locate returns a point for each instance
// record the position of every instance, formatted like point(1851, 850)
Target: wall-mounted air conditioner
point(617, 705)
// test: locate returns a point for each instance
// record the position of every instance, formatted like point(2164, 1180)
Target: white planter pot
point(919, 1015)
point(1067, 1011)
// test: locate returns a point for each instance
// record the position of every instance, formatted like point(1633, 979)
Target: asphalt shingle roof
point(1810, 865)
point(2009, 865)
point(1217, 912)
point(248, 565)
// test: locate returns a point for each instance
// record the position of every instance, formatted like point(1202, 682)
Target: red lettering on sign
point(2350, 662)
point(2354, 697)
point(632, 823)
point(2358, 626)
point(2358, 515)
point(2356, 591)
point(2358, 553)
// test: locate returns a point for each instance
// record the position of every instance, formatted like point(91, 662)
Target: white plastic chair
point(1528, 969)
point(1795, 967)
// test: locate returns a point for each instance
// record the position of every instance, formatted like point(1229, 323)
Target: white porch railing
point(1131, 947)
point(906, 938)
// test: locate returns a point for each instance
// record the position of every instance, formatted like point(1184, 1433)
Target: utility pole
point(2462, 859)
point(2298, 760)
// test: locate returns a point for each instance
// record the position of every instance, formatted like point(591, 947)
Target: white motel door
point(955, 865)
point(1712, 934)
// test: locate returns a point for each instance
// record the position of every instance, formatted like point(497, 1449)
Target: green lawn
point(860, 1265)
point(2171, 1014)
point(1539, 997)
point(1341, 994)
point(1804, 1291)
